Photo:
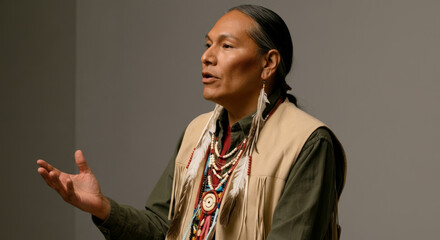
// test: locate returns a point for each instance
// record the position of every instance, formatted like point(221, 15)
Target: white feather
point(240, 176)
point(257, 122)
point(210, 123)
point(202, 145)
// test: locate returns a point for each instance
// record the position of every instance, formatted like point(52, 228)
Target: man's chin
point(207, 95)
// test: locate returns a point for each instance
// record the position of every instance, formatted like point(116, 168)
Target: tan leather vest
point(279, 145)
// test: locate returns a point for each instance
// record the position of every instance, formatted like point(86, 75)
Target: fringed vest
point(279, 145)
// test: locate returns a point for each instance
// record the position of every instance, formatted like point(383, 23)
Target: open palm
point(81, 190)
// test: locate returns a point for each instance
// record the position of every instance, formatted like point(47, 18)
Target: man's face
point(232, 63)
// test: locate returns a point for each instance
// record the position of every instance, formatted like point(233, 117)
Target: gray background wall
point(37, 97)
point(128, 82)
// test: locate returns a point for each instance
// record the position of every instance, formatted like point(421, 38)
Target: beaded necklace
point(210, 195)
point(213, 164)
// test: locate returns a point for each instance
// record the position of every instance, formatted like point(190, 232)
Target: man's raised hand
point(81, 190)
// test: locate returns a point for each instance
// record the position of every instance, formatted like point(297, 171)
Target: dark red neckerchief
point(221, 161)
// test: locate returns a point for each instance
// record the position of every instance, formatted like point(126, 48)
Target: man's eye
point(227, 46)
point(207, 45)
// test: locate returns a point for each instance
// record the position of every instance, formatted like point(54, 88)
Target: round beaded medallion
point(209, 202)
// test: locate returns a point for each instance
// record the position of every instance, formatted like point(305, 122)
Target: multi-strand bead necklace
point(213, 164)
point(211, 194)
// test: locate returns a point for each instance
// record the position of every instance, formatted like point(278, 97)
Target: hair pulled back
point(271, 32)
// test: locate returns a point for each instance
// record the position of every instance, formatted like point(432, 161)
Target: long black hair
point(271, 32)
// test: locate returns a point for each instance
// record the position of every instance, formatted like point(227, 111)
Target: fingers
point(46, 165)
point(81, 162)
point(64, 190)
point(52, 179)
point(45, 175)
point(69, 185)
point(44, 170)
point(56, 183)
point(70, 191)
point(59, 181)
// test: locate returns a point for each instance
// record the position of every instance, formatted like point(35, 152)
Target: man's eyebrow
point(222, 36)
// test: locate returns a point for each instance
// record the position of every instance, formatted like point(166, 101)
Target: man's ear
point(271, 61)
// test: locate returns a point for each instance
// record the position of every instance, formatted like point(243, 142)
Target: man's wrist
point(104, 210)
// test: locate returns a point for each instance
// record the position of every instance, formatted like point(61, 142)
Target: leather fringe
point(231, 205)
point(211, 235)
point(261, 202)
point(175, 191)
point(174, 230)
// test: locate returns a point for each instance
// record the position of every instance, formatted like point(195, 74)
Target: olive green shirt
point(303, 211)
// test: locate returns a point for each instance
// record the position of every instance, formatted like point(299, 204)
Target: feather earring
point(257, 122)
point(242, 171)
point(194, 164)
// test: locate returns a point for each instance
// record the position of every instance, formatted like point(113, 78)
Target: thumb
point(81, 162)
